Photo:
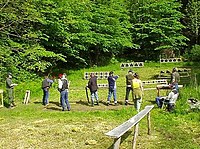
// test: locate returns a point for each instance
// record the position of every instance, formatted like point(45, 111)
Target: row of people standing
point(133, 83)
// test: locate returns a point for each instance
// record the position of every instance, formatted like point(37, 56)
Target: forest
point(38, 36)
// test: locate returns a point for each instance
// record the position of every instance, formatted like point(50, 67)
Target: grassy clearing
point(33, 126)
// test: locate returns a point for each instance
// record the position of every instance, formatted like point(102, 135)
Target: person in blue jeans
point(112, 87)
point(92, 85)
point(46, 84)
point(63, 86)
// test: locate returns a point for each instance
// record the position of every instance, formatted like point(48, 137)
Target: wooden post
point(116, 143)
point(135, 135)
point(27, 96)
point(149, 123)
point(1, 92)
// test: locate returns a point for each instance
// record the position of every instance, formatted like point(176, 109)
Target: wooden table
point(165, 87)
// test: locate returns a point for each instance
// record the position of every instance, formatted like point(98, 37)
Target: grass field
point(34, 126)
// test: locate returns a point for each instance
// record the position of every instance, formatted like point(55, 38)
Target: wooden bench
point(117, 132)
point(1, 102)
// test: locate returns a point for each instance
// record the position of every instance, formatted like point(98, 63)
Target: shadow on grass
point(55, 103)
point(122, 138)
point(83, 103)
point(37, 102)
point(54, 108)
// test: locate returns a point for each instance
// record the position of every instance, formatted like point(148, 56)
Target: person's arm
point(59, 83)
point(50, 81)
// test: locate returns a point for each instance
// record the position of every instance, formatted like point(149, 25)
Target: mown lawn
point(35, 126)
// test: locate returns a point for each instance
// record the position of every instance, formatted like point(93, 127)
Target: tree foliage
point(37, 36)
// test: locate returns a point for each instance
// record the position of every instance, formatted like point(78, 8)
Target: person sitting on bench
point(169, 100)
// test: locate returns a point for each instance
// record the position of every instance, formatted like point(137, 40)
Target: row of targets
point(180, 70)
point(184, 73)
point(170, 60)
point(163, 81)
point(99, 75)
point(133, 64)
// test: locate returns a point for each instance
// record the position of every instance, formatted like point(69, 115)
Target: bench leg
point(135, 135)
point(116, 143)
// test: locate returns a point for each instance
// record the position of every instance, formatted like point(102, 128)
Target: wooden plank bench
point(1, 102)
point(117, 132)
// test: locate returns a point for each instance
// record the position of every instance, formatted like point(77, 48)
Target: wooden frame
point(27, 96)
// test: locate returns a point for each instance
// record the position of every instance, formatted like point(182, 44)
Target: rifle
point(86, 91)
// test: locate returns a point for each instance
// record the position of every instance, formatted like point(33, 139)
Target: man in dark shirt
point(45, 87)
point(92, 85)
point(175, 78)
point(112, 87)
point(129, 78)
point(10, 90)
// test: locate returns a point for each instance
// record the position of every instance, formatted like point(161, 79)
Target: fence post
point(149, 123)
point(116, 143)
point(135, 135)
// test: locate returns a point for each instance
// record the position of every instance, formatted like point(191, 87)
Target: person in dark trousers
point(92, 85)
point(175, 78)
point(112, 87)
point(63, 86)
point(10, 90)
point(46, 84)
point(129, 78)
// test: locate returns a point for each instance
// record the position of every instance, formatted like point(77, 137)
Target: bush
point(194, 55)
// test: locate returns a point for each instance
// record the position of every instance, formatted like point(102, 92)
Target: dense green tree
point(157, 26)
point(193, 15)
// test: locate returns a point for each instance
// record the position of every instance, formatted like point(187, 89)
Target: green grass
point(33, 126)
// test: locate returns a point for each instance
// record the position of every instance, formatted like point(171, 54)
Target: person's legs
point(63, 100)
point(92, 98)
point(138, 104)
point(10, 97)
point(96, 97)
point(159, 102)
point(44, 97)
point(109, 95)
point(67, 101)
point(128, 89)
point(115, 96)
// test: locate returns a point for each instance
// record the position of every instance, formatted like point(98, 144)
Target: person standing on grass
point(137, 91)
point(92, 85)
point(112, 87)
point(63, 86)
point(46, 84)
point(10, 90)
point(175, 78)
point(129, 78)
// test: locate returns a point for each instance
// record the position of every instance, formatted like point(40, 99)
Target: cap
point(9, 74)
point(130, 71)
point(60, 75)
point(110, 72)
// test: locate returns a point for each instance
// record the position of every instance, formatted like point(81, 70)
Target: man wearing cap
point(172, 97)
point(10, 90)
point(112, 87)
point(175, 78)
point(129, 78)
